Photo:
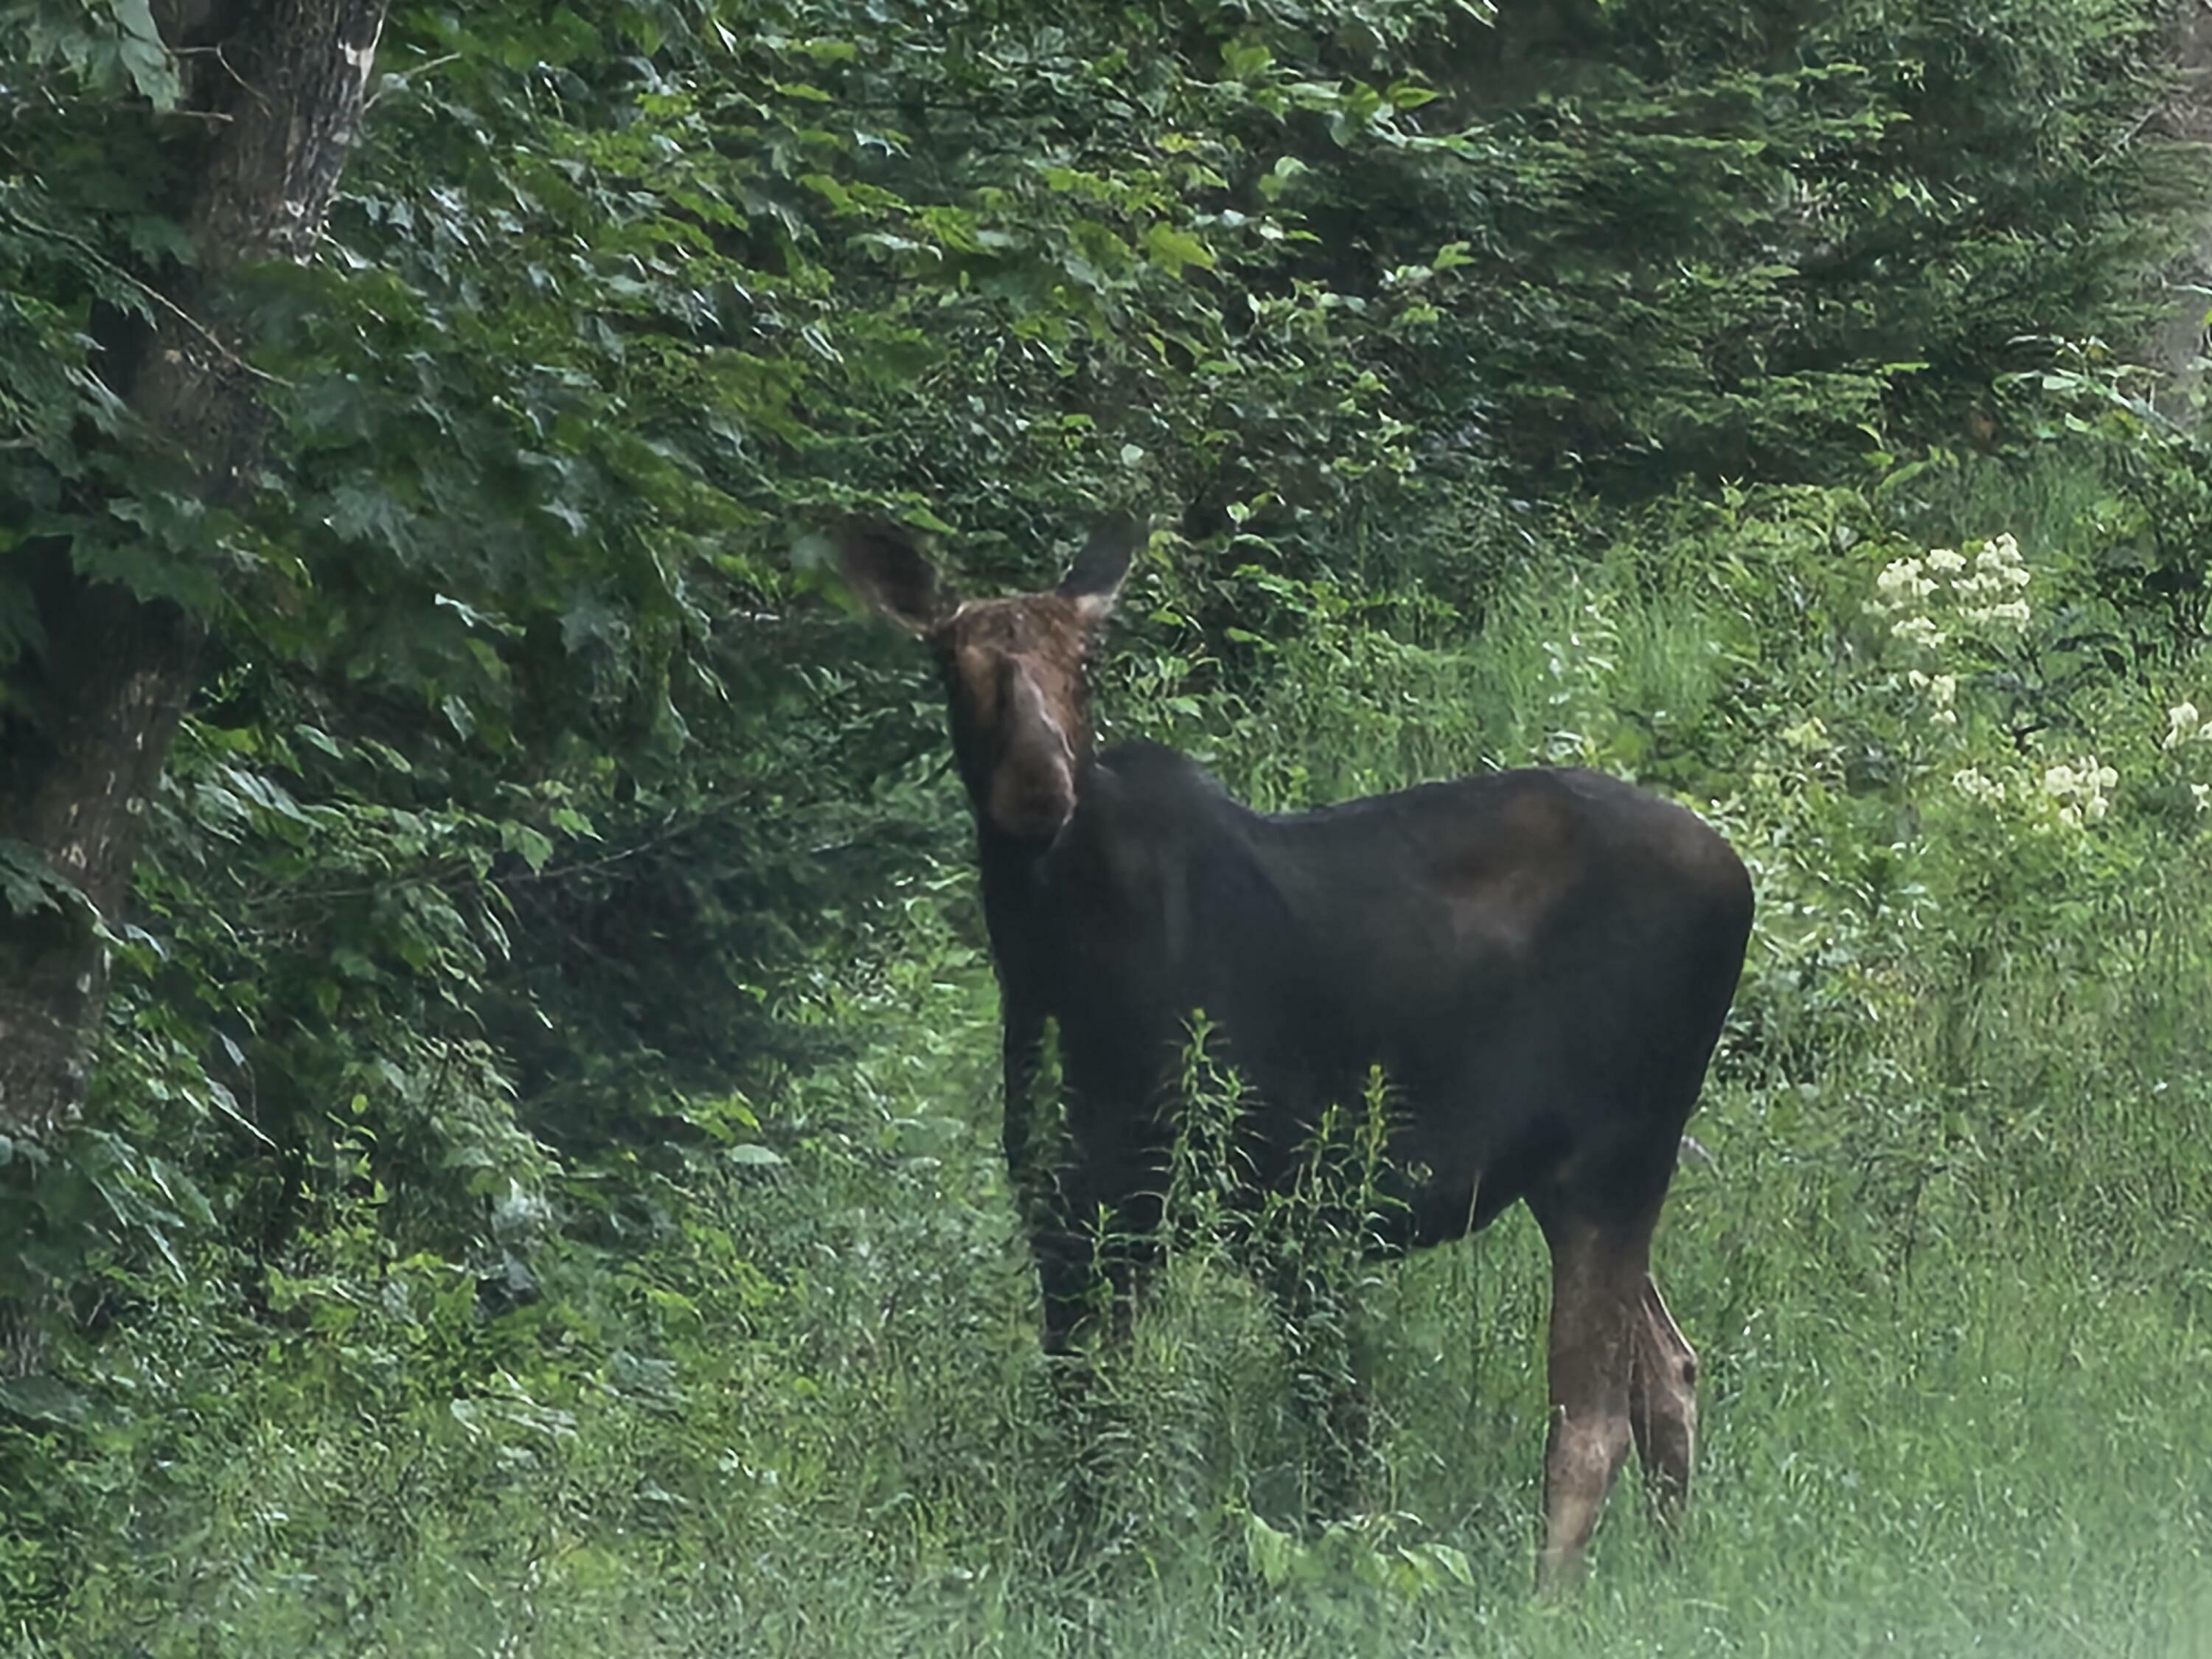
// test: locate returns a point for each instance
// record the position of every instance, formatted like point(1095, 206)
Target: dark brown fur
point(1540, 961)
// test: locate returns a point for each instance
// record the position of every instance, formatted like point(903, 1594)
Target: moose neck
point(1017, 875)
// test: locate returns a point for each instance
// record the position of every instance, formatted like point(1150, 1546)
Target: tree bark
point(84, 742)
point(2177, 345)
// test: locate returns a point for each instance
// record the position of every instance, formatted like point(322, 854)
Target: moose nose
point(1032, 795)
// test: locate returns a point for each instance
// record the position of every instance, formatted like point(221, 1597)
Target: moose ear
point(893, 574)
point(1095, 577)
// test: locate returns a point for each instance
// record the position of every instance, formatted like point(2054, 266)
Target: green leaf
point(1241, 60)
point(152, 69)
point(1172, 249)
point(1275, 1556)
point(29, 882)
point(532, 845)
point(43, 1398)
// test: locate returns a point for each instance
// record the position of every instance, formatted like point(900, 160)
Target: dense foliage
point(538, 1187)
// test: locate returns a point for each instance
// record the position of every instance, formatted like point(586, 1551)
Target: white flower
point(1920, 597)
point(1945, 688)
point(2014, 612)
point(1921, 631)
point(2183, 722)
point(1900, 581)
point(2079, 791)
point(2201, 793)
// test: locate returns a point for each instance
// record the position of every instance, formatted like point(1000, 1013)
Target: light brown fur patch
point(1045, 637)
point(1499, 890)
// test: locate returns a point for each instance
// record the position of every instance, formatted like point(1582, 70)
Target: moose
point(1540, 961)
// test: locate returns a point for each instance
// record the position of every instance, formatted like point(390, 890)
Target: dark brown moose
point(1540, 962)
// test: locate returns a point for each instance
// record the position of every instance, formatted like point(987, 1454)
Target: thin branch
point(405, 77)
point(222, 58)
point(132, 279)
point(465, 876)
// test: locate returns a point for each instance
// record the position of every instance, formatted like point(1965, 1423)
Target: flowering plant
point(1950, 615)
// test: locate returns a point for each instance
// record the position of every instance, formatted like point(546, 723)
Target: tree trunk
point(2177, 345)
point(81, 752)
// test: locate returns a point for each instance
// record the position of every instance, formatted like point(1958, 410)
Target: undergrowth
point(1946, 1269)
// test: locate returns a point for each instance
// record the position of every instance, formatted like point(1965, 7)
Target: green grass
point(1948, 1278)
point(2004, 1448)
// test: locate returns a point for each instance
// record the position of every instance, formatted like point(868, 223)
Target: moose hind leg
point(1663, 1405)
point(1596, 1275)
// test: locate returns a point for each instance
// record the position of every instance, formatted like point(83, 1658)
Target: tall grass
point(1948, 1273)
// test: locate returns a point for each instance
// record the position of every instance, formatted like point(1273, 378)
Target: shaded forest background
point(528, 1182)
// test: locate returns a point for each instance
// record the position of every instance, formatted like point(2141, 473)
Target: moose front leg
point(1096, 1252)
point(1032, 1124)
point(1092, 1222)
point(1034, 1134)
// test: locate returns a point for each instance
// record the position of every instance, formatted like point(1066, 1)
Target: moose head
point(1014, 668)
